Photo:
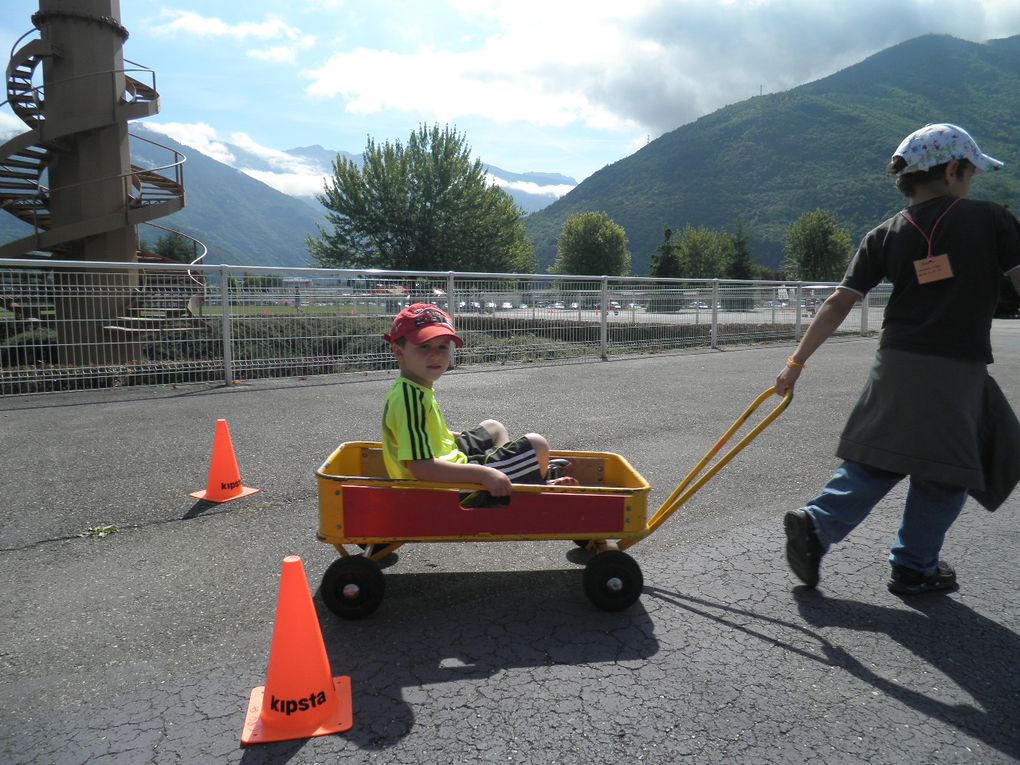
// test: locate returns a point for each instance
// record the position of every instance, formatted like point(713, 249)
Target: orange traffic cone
point(300, 698)
point(224, 482)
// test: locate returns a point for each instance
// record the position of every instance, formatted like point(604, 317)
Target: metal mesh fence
point(73, 326)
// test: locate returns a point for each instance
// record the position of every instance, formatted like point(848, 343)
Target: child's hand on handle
point(786, 379)
point(830, 316)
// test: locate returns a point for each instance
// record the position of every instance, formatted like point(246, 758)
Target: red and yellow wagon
point(363, 509)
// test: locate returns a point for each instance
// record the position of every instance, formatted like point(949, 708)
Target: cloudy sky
point(565, 86)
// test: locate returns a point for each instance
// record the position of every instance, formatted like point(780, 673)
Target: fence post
point(451, 307)
point(228, 357)
point(714, 342)
point(604, 330)
point(865, 310)
point(796, 306)
point(450, 297)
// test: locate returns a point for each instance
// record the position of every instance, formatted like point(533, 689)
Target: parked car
point(506, 305)
point(558, 304)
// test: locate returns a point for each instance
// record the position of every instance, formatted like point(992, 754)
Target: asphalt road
point(142, 646)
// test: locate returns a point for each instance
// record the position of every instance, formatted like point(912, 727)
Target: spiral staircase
point(158, 300)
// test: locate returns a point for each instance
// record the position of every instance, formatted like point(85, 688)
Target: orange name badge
point(933, 269)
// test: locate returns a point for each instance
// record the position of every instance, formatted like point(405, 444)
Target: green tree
point(425, 206)
point(741, 265)
point(591, 243)
point(666, 262)
point(174, 246)
point(703, 253)
point(817, 248)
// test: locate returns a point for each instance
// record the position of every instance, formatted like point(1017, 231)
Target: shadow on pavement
point(981, 656)
point(435, 631)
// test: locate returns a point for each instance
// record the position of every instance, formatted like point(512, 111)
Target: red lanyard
point(928, 237)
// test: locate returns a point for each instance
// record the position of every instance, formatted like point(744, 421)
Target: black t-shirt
point(951, 317)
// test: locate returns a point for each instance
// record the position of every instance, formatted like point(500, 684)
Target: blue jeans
point(855, 489)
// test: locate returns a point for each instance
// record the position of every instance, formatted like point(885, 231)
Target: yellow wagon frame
point(607, 513)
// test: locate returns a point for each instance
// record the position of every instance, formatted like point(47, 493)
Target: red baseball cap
point(421, 322)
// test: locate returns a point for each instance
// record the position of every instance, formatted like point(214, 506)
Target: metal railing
point(71, 325)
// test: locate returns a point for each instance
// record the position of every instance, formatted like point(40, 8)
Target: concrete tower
point(70, 176)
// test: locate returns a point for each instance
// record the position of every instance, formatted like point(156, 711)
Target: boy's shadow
point(981, 656)
point(441, 628)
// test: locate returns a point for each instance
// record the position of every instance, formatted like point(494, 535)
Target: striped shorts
point(517, 459)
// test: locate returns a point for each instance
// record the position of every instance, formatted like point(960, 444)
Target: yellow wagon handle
point(688, 486)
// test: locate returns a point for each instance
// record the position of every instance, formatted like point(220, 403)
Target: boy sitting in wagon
point(416, 442)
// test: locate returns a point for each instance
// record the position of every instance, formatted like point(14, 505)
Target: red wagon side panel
point(393, 513)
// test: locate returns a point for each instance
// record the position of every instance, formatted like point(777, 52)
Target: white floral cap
point(935, 145)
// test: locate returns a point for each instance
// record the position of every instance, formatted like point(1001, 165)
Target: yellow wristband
point(791, 362)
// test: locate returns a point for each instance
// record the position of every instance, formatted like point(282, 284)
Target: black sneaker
point(803, 550)
point(557, 469)
point(908, 581)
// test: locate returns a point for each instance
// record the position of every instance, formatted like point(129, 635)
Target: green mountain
point(768, 160)
point(241, 220)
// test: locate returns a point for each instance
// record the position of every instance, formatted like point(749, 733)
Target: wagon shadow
point(454, 627)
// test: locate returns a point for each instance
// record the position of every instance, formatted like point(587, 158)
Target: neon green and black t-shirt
point(413, 429)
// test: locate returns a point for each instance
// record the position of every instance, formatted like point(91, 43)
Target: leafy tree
point(174, 246)
point(425, 206)
point(817, 248)
point(741, 265)
point(703, 253)
point(666, 263)
point(591, 243)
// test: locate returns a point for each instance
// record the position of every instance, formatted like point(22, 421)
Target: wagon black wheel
point(353, 587)
point(613, 580)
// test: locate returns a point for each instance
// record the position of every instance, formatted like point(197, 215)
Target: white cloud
point(276, 159)
point(190, 23)
point(288, 174)
point(551, 190)
point(447, 86)
point(10, 126)
point(293, 184)
point(271, 29)
point(560, 85)
point(642, 66)
point(196, 135)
